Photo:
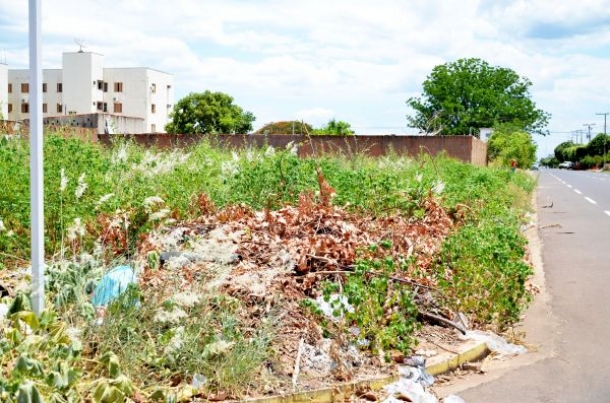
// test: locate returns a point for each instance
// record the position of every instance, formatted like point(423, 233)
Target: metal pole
point(605, 138)
point(36, 170)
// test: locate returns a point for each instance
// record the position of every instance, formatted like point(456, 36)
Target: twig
point(443, 347)
point(297, 364)
point(328, 260)
point(413, 283)
point(445, 321)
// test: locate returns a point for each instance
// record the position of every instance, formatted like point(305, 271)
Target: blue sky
point(357, 61)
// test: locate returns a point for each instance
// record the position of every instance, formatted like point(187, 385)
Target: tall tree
point(335, 128)
point(209, 112)
point(506, 145)
point(464, 96)
point(285, 127)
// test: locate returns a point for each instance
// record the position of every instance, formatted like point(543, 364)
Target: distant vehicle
point(566, 165)
point(535, 167)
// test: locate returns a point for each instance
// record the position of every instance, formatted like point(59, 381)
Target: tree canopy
point(285, 127)
point(466, 95)
point(332, 128)
point(335, 128)
point(211, 113)
point(600, 145)
point(505, 145)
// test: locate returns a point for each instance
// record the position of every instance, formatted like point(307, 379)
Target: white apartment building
point(84, 86)
point(3, 93)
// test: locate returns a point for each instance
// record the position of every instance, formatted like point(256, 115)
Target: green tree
point(285, 127)
point(209, 112)
point(464, 96)
point(335, 128)
point(505, 145)
point(560, 150)
point(600, 145)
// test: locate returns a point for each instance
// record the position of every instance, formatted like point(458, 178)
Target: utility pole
point(589, 125)
point(605, 138)
point(605, 116)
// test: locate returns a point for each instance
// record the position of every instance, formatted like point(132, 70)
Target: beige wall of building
point(85, 86)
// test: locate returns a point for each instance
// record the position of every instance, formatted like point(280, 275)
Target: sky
point(352, 60)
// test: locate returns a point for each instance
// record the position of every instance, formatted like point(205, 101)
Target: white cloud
point(315, 116)
point(356, 61)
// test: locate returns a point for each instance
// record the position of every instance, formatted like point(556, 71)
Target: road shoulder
point(539, 325)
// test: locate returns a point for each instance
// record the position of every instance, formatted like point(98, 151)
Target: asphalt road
point(575, 242)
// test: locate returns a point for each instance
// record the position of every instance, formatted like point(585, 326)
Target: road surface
point(571, 322)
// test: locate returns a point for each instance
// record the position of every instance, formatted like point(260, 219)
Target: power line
point(605, 116)
point(589, 125)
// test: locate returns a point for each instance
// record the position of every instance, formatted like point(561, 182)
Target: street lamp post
point(605, 138)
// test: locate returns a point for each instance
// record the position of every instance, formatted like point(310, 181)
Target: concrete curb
point(470, 351)
point(443, 363)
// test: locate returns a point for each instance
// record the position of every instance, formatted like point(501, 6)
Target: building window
point(153, 128)
point(10, 108)
point(100, 85)
point(153, 108)
point(118, 107)
point(118, 87)
point(100, 106)
point(105, 87)
point(25, 107)
point(60, 87)
point(25, 88)
point(44, 108)
point(44, 87)
point(105, 107)
point(153, 88)
point(10, 88)
point(59, 108)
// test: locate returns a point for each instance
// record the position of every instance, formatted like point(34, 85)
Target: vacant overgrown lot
point(264, 243)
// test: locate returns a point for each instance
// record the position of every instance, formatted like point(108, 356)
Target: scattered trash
point(182, 259)
point(112, 285)
point(199, 381)
point(333, 309)
point(453, 399)
point(415, 370)
point(407, 390)
point(495, 343)
point(3, 311)
point(316, 359)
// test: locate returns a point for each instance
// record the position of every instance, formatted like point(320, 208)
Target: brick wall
point(465, 148)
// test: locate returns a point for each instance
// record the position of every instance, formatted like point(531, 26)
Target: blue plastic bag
point(112, 285)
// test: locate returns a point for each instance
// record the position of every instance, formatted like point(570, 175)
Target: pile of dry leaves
point(273, 260)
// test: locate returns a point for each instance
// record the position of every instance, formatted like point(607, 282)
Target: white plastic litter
point(3, 311)
point(334, 304)
point(199, 381)
point(495, 343)
point(397, 392)
point(415, 370)
point(453, 399)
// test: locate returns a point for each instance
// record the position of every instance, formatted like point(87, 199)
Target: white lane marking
point(590, 200)
point(570, 186)
point(607, 212)
point(578, 191)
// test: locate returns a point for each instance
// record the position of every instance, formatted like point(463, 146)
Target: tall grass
point(107, 197)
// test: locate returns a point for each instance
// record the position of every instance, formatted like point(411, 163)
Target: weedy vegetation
point(104, 205)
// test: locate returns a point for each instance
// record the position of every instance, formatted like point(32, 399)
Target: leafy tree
point(505, 145)
point(600, 145)
point(285, 127)
point(209, 112)
point(469, 94)
point(549, 161)
point(559, 151)
point(335, 128)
